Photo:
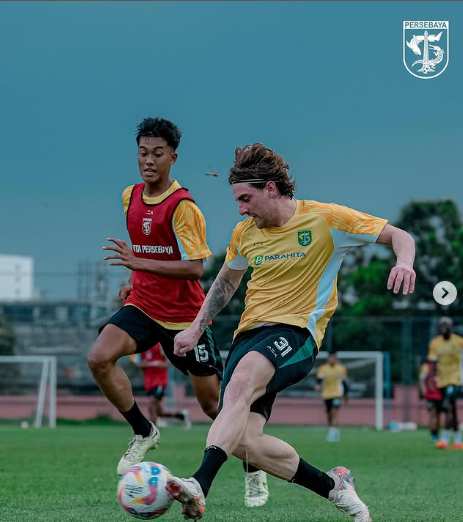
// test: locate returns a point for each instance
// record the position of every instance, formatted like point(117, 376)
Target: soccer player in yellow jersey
point(332, 383)
point(295, 248)
point(447, 349)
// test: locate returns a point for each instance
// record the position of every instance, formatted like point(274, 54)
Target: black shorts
point(435, 405)
point(449, 396)
point(157, 392)
point(203, 361)
point(332, 403)
point(291, 349)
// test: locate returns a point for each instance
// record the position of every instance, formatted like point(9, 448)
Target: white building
point(16, 278)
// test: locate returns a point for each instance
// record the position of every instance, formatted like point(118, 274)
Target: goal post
point(44, 375)
point(377, 359)
point(359, 365)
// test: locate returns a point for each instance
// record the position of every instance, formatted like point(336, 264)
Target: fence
point(404, 340)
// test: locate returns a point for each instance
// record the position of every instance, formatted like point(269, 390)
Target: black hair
point(159, 128)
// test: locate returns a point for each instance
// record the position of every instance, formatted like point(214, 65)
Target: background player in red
point(433, 396)
point(155, 366)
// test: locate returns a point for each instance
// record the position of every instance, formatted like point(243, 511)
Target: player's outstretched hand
point(402, 275)
point(125, 255)
point(185, 341)
point(124, 292)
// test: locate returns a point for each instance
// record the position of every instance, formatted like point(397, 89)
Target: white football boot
point(138, 448)
point(344, 497)
point(189, 493)
point(256, 493)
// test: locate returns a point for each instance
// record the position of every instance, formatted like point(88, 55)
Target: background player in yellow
point(296, 248)
point(447, 350)
point(332, 383)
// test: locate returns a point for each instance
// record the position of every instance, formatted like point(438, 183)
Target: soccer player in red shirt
point(168, 235)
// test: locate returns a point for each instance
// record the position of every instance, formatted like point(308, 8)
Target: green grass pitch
point(68, 475)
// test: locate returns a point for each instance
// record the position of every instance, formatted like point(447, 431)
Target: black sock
point(140, 424)
point(249, 468)
point(213, 460)
point(180, 416)
point(434, 433)
point(312, 478)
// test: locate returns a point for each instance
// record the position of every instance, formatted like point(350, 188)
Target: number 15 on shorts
point(202, 356)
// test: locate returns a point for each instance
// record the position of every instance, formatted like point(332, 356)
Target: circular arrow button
point(444, 293)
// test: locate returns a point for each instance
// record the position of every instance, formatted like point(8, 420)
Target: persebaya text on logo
point(258, 260)
point(429, 41)
point(304, 237)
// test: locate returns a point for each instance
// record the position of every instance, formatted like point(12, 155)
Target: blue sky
point(322, 83)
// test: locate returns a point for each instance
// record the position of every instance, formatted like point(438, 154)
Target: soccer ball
point(142, 490)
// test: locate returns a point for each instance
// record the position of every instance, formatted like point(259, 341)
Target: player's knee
point(99, 361)
point(239, 389)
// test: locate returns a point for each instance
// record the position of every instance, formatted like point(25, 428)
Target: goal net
point(28, 388)
point(365, 372)
point(365, 380)
point(303, 404)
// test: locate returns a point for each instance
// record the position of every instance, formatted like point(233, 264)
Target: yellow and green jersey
point(295, 266)
point(333, 377)
point(448, 354)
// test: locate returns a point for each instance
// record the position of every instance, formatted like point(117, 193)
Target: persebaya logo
point(429, 41)
point(304, 237)
point(258, 260)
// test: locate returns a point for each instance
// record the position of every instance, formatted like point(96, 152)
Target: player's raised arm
point(178, 269)
point(220, 293)
point(404, 248)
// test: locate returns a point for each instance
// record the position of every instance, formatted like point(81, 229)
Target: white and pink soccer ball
point(142, 490)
